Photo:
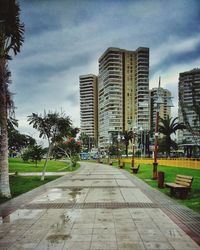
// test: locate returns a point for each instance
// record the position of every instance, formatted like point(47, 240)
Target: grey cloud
point(65, 38)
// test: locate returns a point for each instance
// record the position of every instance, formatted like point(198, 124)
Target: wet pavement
point(97, 207)
point(40, 173)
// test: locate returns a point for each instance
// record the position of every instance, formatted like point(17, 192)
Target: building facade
point(89, 106)
point(189, 107)
point(164, 110)
point(123, 92)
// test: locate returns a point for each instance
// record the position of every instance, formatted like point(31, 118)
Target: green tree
point(53, 127)
point(69, 148)
point(128, 136)
point(19, 141)
point(167, 127)
point(86, 141)
point(11, 40)
point(34, 153)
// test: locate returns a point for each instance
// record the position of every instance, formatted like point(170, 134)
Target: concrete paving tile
point(133, 236)
point(27, 246)
point(81, 231)
point(151, 245)
point(103, 245)
point(142, 225)
point(184, 245)
point(104, 230)
point(123, 221)
point(173, 233)
point(104, 183)
point(125, 183)
point(53, 241)
point(127, 245)
point(35, 238)
point(134, 195)
point(79, 245)
point(104, 225)
point(104, 236)
point(120, 225)
point(79, 237)
point(83, 226)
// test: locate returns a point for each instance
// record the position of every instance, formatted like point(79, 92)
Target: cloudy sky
point(65, 38)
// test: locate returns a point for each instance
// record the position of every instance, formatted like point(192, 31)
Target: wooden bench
point(135, 169)
point(181, 186)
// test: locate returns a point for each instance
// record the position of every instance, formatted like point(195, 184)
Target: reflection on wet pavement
point(23, 214)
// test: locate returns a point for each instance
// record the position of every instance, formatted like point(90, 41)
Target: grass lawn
point(145, 173)
point(23, 184)
point(17, 165)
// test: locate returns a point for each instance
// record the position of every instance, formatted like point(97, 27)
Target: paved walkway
point(98, 207)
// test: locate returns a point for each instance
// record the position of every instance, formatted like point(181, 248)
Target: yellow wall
point(180, 162)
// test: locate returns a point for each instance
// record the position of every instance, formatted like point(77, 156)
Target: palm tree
point(53, 127)
point(128, 136)
point(11, 39)
point(167, 127)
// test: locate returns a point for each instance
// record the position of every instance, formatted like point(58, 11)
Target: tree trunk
point(4, 169)
point(45, 164)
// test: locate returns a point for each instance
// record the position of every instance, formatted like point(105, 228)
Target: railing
point(193, 163)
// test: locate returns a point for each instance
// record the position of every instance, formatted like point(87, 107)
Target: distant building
point(189, 100)
point(123, 91)
point(89, 106)
point(164, 110)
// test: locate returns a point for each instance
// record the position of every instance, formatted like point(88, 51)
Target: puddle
point(21, 214)
point(65, 218)
point(75, 194)
point(56, 238)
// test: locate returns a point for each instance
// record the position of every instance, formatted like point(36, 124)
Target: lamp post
point(118, 155)
point(133, 152)
point(159, 101)
point(108, 150)
point(141, 138)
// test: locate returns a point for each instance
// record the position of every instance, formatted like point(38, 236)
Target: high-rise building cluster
point(119, 98)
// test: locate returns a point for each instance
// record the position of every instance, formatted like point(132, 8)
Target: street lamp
point(118, 140)
point(133, 152)
point(141, 140)
point(158, 102)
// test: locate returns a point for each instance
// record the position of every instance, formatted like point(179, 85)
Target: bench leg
point(172, 192)
point(183, 194)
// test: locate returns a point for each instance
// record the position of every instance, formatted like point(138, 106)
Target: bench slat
point(182, 179)
point(174, 185)
point(185, 176)
point(183, 183)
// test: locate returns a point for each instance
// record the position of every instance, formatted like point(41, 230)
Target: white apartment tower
point(189, 104)
point(164, 110)
point(123, 91)
point(88, 105)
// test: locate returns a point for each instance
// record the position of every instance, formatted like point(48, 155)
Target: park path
point(97, 207)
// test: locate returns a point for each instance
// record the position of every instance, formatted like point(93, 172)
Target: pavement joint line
point(82, 187)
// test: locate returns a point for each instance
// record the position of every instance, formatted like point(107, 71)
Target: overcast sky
point(65, 38)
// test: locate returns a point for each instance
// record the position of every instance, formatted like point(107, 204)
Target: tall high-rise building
point(189, 103)
point(164, 110)
point(123, 91)
point(89, 106)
